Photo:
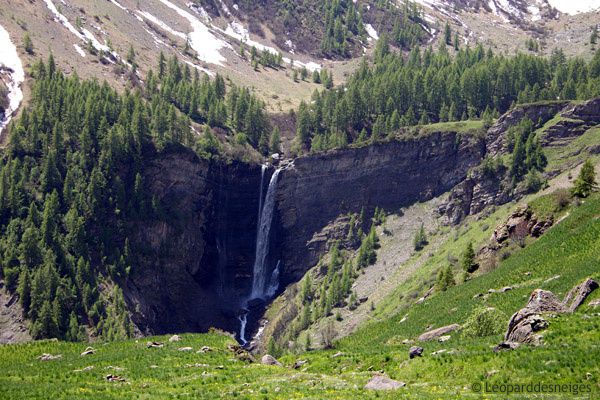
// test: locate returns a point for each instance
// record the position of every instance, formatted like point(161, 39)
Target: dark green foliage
point(467, 262)
point(28, 44)
point(484, 321)
point(420, 239)
point(585, 183)
point(445, 279)
point(527, 154)
point(447, 34)
point(428, 86)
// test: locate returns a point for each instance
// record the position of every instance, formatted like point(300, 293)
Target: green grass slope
point(564, 256)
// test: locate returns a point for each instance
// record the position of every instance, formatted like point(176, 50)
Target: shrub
point(485, 321)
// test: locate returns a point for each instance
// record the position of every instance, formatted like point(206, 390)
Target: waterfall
point(260, 270)
point(274, 282)
point(260, 198)
point(243, 319)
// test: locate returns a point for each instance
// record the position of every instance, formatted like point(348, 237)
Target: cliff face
point(482, 189)
point(195, 265)
point(316, 189)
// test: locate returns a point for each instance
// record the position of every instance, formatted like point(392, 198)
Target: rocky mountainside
point(197, 268)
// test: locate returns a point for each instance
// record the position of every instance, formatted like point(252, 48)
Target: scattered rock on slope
point(380, 382)
point(415, 351)
point(524, 324)
point(268, 359)
point(436, 333)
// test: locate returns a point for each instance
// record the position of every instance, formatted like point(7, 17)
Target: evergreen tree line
point(59, 187)
point(205, 101)
point(344, 22)
point(428, 86)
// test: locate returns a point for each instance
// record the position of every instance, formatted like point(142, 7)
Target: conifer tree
point(585, 183)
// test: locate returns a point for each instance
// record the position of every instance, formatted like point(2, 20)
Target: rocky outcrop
point(522, 223)
point(437, 333)
point(537, 112)
point(525, 323)
point(13, 328)
point(574, 121)
point(489, 184)
point(479, 190)
point(194, 264)
point(268, 359)
point(317, 189)
point(415, 351)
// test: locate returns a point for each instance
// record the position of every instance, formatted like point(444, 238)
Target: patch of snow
point(235, 6)
point(116, 3)
point(239, 32)
point(199, 68)
point(62, 19)
point(205, 44)
point(198, 9)
point(84, 35)
point(9, 59)
point(535, 13)
point(161, 24)
point(79, 50)
point(97, 45)
point(311, 66)
point(573, 7)
point(225, 8)
point(371, 31)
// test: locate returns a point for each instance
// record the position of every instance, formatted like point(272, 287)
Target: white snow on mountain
point(10, 61)
point(575, 6)
point(371, 31)
point(201, 39)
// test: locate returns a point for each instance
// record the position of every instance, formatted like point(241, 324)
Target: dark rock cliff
point(195, 267)
point(316, 189)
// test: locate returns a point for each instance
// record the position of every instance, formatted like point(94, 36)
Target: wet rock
point(381, 382)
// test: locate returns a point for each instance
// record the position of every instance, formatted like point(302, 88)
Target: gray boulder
point(436, 333)
point(415, 351)
point(268, 359)
point(381, 382)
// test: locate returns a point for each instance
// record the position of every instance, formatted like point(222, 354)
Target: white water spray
point(259, 279)
point(243, 320)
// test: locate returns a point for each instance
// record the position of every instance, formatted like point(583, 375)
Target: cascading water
point(243, 320)
point(263, 286)
point(260, 270)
